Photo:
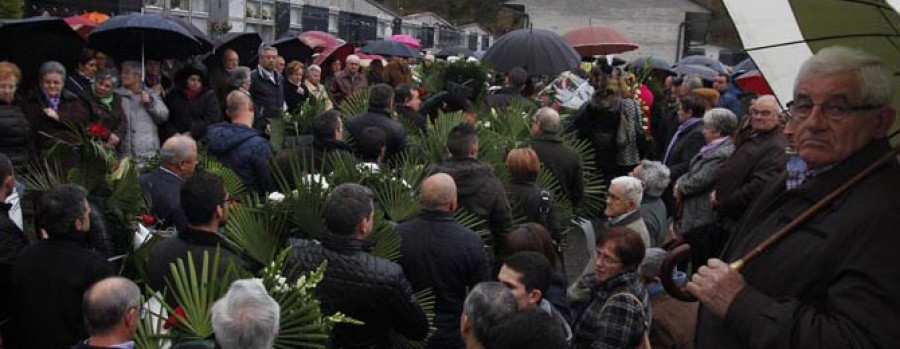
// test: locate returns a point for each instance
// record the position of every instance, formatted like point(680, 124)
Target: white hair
point(548, 119)
point(875, 78)
point(655, 175)
point(247, 317)
point(720, 119)
point(632, 188)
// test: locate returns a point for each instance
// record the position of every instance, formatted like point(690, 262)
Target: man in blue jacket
point(241, 148)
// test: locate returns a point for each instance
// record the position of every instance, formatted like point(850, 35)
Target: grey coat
point(696, 185)
point(142, 138)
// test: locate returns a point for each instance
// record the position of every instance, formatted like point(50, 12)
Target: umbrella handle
point(666, 272)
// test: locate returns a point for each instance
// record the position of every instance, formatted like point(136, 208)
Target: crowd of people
point(700, 171)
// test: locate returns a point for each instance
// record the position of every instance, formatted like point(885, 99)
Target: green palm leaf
point(233, 184)
point(255, 228)
point(386, 239)
point(356, 103)
point(195, 291)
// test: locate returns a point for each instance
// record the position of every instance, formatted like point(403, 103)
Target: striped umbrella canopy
point(780, 35)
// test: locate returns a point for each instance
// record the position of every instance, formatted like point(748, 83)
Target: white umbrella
point(780, 35)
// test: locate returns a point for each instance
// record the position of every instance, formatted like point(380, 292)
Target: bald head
point(438, 193)
point(764, 113)
point(239, 107)
point(111, 306)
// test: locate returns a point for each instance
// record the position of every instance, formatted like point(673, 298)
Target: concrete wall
point(652, 24)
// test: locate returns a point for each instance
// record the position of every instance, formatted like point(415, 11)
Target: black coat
point(164, 190)
point(71, 110)
point(268, 97)
point(245, 151)
point(364, 287)
point(315, 156)
point(480, 192)
point(754, 163)
point(439, 253)
point(49, 281)
point(506, 97)
point(12, 240)
point(688, 144)
point(292, 98)
point(14, 133)
point(830, 283)
point(563, 161)
point(412, 117)
point(525, 202)
point(600, 126)
point(190, 115)
point(395, 135)
point(195, 243)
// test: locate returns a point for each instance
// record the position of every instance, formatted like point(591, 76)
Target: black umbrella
point(652, 63)
point(30, 42)
point(205, 44)
point(455, 51)
point(539, 51)
point(391, 48)
point(245, 44)
point(291, 48)
point(138, 36)
point(704, 61)
point(704, 72)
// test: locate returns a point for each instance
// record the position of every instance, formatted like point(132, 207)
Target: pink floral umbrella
point(406, 39)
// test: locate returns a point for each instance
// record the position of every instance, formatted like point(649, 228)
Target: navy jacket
point(439, 253)
point(164, 189)
point(245, 151)
point(268, 97)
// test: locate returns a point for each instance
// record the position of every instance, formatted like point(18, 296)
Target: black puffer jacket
point(480, 192)
point(364, 287)
point(14, 134)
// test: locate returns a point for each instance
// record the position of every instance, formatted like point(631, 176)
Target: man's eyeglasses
point(834, 111)
point(607, 259)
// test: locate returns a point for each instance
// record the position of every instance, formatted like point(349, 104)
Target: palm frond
point(255, 228)
point(195, 291)
point(356, 103)
point(426, 300)
point(233, 184)
point(434, 146)
point(386, 239)
point(473, 222)
point(40, 178)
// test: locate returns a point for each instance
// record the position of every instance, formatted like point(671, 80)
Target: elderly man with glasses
point(829, 283)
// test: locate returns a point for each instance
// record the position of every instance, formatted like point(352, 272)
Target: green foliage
point(11, 9)
point(355, 104)
point(253, 229)
point(195, 291)
point(302, 323)
point(233, 184)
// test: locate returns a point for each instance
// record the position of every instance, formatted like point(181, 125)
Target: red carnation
point(422, 91)
point(173, 320)
point(97, 130)
point(147, 219)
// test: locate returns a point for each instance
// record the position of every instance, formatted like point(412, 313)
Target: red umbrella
point(363, 55)
point(320, 40)
point(753, 81)
point(81, 25)
point(340, 52)
point(598, 40)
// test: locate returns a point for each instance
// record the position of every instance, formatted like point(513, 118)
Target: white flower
point(487, 124)
point(316, 178)
point(276, 196)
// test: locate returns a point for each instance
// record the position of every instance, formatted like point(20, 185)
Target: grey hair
point(52, 67)
point(486, 306)
point(720, 119)
point(548, 119)
point(239, 76)
point(133, 66)
point(875, 78)
point(176, 149)
point(313, 68)
point(106, 75)
point(634, 190)
point(107, 301)
point(246, 317)
point(265, 48)
point(655, 175)
point(692, 82)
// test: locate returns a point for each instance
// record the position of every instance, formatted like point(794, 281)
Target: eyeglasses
point(607, 259)
point(831, 110)
point(763, 113)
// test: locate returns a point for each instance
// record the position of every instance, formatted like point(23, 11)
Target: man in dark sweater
point(441, 254)
point(50, 277)
point(478, 189)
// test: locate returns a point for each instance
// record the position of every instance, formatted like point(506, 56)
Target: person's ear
point(131, 318)
point(885, 120)
point(534, 297)
point(220, 211)
point(465, 326)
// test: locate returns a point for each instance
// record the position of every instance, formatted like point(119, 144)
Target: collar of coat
point(344, 244)
point(549, 137)
point(202, 238)
point(821, 185)
point(435, 215)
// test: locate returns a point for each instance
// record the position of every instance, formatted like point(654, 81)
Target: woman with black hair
point(192, 104)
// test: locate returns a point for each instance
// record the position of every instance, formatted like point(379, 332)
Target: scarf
point(712, 145)
point(106, 100)
point(190, 94)
point(53, 102)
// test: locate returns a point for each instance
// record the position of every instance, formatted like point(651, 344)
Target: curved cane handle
point(666, 271)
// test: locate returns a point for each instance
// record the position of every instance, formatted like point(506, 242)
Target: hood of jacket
point(469, 174)
point(223, 137)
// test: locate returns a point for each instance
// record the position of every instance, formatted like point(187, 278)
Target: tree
point(11, 9)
